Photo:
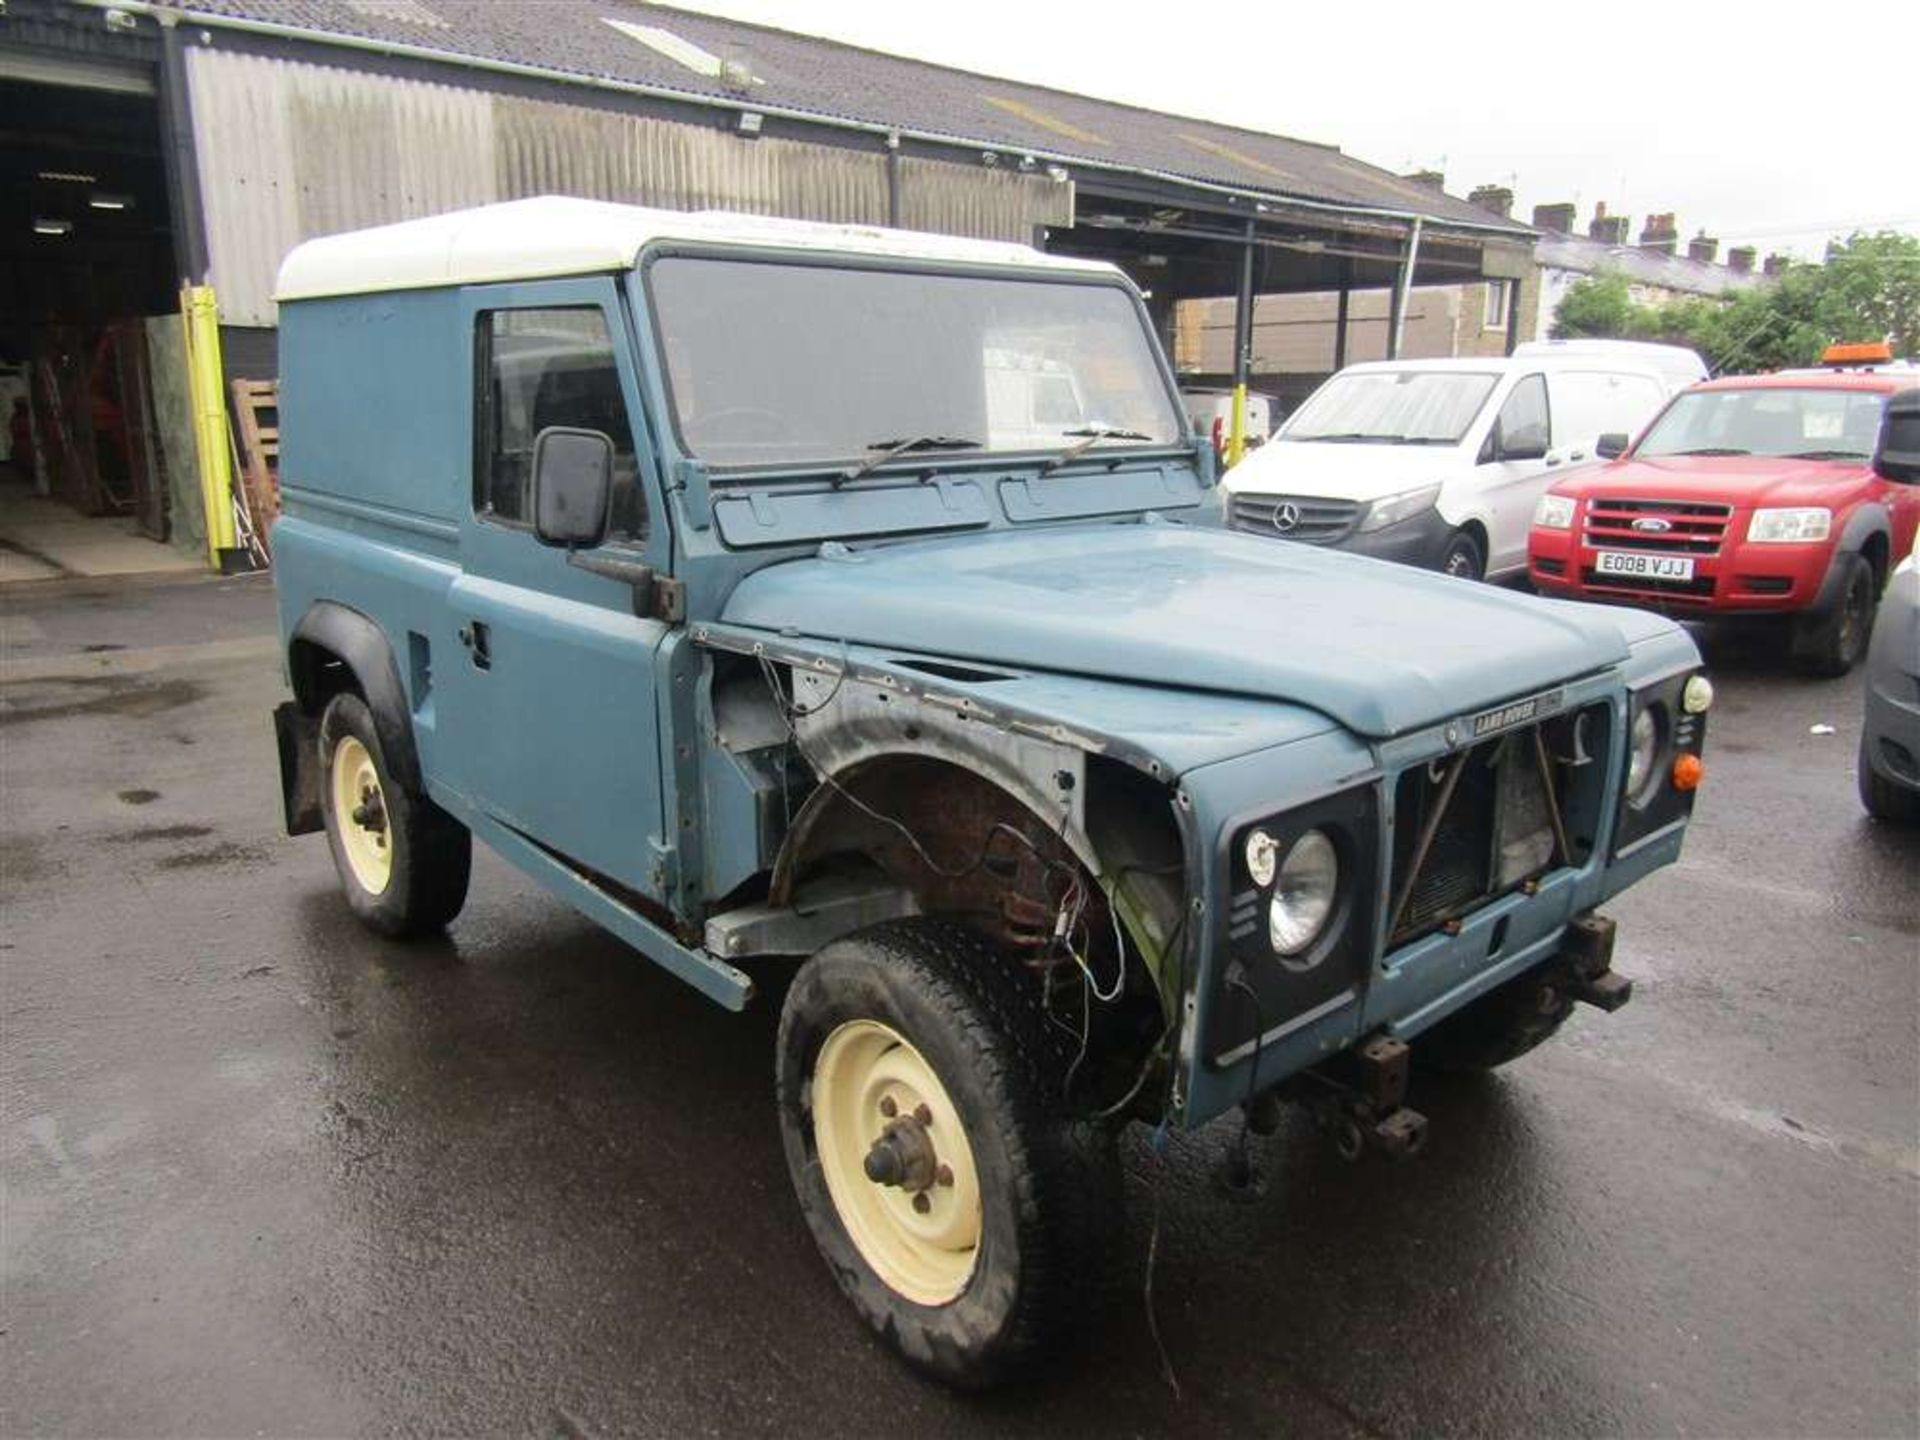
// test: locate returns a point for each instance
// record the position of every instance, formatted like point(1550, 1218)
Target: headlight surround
point(1643, 751)
point(1262, 857)
point(1304, 894)
point(1797, 525)
point(1554, 512)
point(1395, 508)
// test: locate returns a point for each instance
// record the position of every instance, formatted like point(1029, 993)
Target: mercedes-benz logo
point(1286, 515)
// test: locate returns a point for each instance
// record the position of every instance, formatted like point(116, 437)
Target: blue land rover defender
point(855, 608)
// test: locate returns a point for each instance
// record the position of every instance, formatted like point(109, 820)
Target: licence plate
point(1648, 567)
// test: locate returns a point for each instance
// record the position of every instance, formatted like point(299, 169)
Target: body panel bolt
point(944, 1175)
point(921, 1204)
point(923, 1114)
point(887, 1107)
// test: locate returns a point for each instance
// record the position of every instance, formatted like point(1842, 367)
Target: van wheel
point(1463, 558)
point(919, 1093)
point(1831, 645)
point(403, 861)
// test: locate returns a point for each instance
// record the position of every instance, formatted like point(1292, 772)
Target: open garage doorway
point(86, 257)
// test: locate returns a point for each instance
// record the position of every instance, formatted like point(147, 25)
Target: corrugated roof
point(1640, 267)
point(839, 81)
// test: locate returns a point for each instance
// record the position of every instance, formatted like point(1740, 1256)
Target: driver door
point(1515, 467)
point(548, 677)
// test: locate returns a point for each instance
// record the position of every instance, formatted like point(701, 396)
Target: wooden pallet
point(256, 409)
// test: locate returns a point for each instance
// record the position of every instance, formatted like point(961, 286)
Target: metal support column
point(1403, 292)
point(1242, 351)
point(1513, 316)
point(1340, 317)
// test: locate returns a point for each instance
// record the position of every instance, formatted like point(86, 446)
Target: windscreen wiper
point(905, 445)
point(1090, 436)
point(1711, 450)
point(1825, 455)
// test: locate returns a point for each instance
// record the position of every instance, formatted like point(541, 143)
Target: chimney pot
point(1558, 218)
point(1776, 263)
point(1608, 229)
point(1740, 259)
point(1429, 179)
point(1660, 233)
point(1703, 248)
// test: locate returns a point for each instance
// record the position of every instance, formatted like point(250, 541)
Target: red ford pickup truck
point(1755, 496)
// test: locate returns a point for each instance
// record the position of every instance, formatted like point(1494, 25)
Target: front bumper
point(1403, 988)
point(1740, 579)
point(1418, 540)
point(1890, 737)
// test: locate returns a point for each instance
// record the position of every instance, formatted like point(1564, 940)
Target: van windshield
point(1393, 407)
point(774, 363)
point(1809, 424)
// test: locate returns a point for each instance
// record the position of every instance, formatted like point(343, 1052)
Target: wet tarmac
point(264, 1173)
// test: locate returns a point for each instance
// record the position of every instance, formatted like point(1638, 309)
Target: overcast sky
point(1775, 125)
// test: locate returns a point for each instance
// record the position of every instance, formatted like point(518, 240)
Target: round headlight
point(1643, 742)
point(1697, 696)
point(1303, 894)
point(1263, 858)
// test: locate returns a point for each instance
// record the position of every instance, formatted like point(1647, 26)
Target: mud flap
point(298, 736)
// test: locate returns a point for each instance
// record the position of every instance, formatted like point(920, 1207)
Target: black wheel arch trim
point(363, 648)
point(1866, 522)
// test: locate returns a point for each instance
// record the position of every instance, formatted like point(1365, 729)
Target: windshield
point(773, 363)
point(1806, 424)
point(1393, 407)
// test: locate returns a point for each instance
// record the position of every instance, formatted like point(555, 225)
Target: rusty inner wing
point(980, 854)
point(1493, 818)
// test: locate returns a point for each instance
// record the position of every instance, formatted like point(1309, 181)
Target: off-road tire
point(1463, 558)
point(1831, 645)
point(1500, 1026)
point(432, 853)
point(1049, 1186)
point(1885, 799)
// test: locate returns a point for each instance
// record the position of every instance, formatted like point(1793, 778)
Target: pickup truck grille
point(1692, 529)
point(1317, 521)
point(1495, 831)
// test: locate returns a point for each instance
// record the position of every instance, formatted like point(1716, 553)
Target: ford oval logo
point(1286, 515)
point(1653, 524)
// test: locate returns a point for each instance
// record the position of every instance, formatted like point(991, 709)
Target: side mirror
point(572, 486)
point(1897, 456)
point(1612, 445)
point(1529, 443)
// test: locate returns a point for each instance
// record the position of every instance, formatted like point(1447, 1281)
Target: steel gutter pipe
point(162, 14)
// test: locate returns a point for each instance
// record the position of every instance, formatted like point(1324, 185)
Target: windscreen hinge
point(690, 478)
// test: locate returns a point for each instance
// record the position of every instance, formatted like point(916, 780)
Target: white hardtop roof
point(558, 235)
point(1509, 364)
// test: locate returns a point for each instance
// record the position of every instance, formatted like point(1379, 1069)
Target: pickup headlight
point(1790, 526)
point(1643, 749)
point(1303, 894)
point(1395, 508)
point(1554, 512)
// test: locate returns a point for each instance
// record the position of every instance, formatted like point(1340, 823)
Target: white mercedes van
point(1438, 463)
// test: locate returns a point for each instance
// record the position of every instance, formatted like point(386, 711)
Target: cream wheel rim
point(871, 1088)
point(360, 815)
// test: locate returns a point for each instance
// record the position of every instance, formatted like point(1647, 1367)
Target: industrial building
point(149, 147)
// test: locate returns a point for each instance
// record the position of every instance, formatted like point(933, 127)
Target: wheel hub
point(360, 809)
point(897, 1161)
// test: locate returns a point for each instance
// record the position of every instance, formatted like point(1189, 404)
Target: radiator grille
point(1316, 521)
point(1693, 529)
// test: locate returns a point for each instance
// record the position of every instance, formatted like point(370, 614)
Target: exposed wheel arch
point(336, 649)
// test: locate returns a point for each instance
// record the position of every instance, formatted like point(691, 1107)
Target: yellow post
point(1237, 437)
point(207, 392)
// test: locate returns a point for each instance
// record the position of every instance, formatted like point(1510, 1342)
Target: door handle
point(1552, 460)
point(1578, 455)
point(476, 639)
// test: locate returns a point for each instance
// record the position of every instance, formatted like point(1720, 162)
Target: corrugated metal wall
point(289, 150)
